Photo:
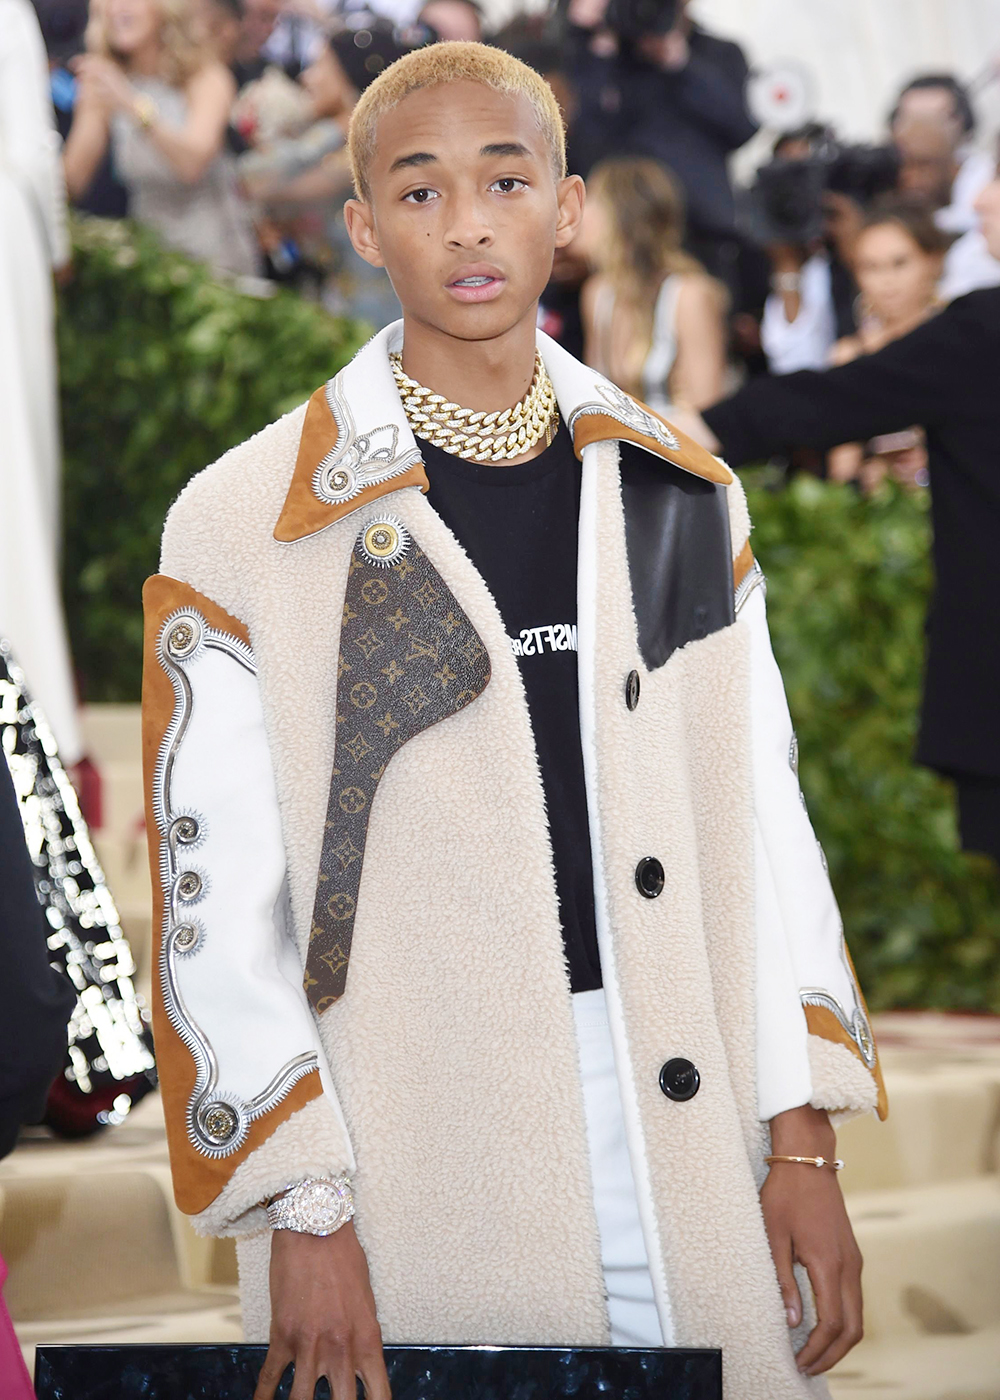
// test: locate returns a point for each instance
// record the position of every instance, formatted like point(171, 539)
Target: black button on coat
point(680, 1080)
point(649, 877)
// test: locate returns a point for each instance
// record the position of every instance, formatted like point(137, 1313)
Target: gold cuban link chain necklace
point(480, 437)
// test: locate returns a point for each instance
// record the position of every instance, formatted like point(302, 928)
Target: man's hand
point(807, 1223)
point(322, 1318)
point(670, 51)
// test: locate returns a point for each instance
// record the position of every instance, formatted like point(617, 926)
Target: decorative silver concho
point(358, 460)
point(384, 540)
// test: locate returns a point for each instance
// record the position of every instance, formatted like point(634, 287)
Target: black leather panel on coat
point(679, 555)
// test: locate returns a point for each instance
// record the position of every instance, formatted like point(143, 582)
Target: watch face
point(319, 1206)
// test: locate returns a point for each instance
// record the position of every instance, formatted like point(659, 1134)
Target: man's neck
point(486, 376)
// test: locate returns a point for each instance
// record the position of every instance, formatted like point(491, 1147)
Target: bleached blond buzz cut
point(450, 62)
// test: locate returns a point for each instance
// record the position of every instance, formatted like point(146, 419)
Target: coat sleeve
point(931, 376)
point(249, 1105)
point(814, 1039)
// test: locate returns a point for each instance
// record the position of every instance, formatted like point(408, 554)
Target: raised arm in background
point(105, 89)
point(940, 371)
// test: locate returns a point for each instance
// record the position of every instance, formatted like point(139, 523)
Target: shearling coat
point(360, 959)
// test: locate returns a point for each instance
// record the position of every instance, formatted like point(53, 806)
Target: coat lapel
point(409, 657)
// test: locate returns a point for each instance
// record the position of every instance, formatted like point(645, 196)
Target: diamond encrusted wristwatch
point(316, 1206)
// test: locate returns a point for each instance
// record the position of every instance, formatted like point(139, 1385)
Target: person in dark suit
point(946, 376)
point(36, 1001)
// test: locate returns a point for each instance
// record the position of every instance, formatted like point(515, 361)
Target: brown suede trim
point(304, 513)
point(600, 427)
point(198, 1180)
point(821, 1022)
point(742, 564)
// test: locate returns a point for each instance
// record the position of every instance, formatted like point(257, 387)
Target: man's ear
point(571, 193)
point(359, 218)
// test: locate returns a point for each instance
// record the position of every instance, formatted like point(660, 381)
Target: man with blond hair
point(498, 962)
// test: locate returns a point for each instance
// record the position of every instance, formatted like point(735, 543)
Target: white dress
point(659, 361)
point(33, 240)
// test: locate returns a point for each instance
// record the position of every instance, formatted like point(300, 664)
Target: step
point(943, 1125)
point(51, 1195)
point(932, 1258)
point(214, 1317)
point(925, 1368)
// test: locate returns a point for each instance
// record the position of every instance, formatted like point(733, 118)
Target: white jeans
point(631, 1307)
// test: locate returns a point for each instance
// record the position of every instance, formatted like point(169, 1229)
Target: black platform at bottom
point(415, 1373)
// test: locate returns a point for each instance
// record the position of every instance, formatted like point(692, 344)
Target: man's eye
point(420, 196)
point(508, 184)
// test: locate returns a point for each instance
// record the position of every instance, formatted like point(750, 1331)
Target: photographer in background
point(931, 126)
point(805, 208)
point(653, 83)
point(948, 181)
point(943, 375)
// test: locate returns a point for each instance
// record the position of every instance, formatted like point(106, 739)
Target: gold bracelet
point(145, 111)
point(836, 1163)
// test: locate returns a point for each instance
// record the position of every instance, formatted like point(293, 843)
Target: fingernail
point(792, 1317)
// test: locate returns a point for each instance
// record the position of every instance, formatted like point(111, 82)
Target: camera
point(631, 19)
point(786, 199)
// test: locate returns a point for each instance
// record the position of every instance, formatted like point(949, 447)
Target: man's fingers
point(307, 1372)
point(342, 1376)
point(853, 1321)
point(274, 1367)
point(374, 1375)
point(781, 1251)
point(825, 1280)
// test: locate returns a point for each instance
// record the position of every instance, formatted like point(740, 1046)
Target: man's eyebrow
point(505, 148)
point(417, 158)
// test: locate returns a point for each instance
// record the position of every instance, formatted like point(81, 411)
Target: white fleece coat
point(446, 1077)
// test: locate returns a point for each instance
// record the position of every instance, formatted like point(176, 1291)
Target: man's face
point(328, 85)
point(928, 161)
point(928, 104)
point(259, 19)
point(465, 211)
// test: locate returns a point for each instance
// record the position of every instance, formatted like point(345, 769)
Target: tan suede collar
point(356, 445)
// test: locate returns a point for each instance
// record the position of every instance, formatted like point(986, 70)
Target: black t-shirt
point(518, 524)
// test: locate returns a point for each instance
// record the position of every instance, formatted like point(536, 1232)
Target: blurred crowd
point(221, 125)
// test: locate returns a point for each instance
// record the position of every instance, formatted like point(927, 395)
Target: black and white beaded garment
point(109, 1060)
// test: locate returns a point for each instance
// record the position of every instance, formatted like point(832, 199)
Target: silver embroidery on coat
point(753, 578)
point(358, 460)
point(616, 404)
point(217, 1121)
point(856, 1025)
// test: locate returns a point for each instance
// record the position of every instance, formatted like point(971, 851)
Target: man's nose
point(469, 226)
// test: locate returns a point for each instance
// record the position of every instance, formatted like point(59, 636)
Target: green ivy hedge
point(848, 582)
point(162, 369)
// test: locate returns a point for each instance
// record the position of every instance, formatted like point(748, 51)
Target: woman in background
point(897, 261)
point(654, 320)
point(153, 89)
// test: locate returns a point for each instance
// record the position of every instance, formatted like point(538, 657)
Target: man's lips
point(472, 284)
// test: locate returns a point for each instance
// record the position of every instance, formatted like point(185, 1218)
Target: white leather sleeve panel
point(230, 972)
point(800, 950)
